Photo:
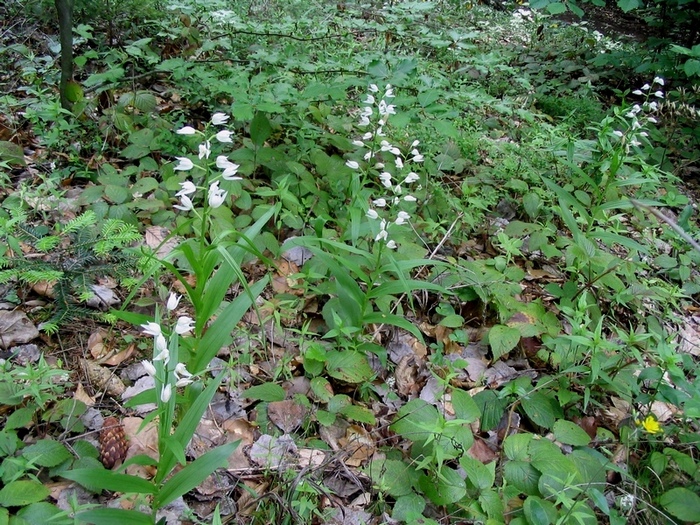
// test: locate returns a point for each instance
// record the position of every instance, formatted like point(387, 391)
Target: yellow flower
point(651, 425)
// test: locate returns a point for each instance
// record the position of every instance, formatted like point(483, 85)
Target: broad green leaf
point(682, 503)
point(359, 414)
point(480, 475)
point(11, 153)
point(522, 475)
point(503, 339)
point(408, 508)
point(46, 453)
point(265, 392)
point(20, 418)
point(393, 477)
point(348, 366)
point(628, 5)
point(22, 492)
point(260, 129)
point(570, 433)
point(464, 406)
point(43, 512)
point(515, 446)
point(193, 474)
point(444, 488)
point(540, 409)
point(539, 511)
point(114, 517)
point(98, 480)
point(417, 420)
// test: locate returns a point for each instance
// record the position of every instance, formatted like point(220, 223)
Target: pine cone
point(113, 444)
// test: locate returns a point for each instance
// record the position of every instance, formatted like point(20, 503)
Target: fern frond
point(35, 276)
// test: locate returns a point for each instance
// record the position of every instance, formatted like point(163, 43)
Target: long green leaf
point(102, 479)
point(193, 474)
point(219, 284)
point(114, 517)
point(220, 330)
point(187, 426)
point(407, 286)
point(394, 320)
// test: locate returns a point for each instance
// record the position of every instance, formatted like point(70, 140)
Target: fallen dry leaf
point(81, 395)
point(288, 415)
point(16, 328)
point(358, 444)
point(140, 442)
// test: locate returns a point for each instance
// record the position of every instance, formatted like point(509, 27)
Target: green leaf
point(682, 503)
point(522, 475)
point(46, 453)
point(515, 446)
point(408, 508)
point(480, 475)
point(628, 5)
point(556, 8)
point(539, 511)
point(348, 366)
point(393, 476)
point(102, 479)
point(114, 517)
point(464, 406)
point(359, 414)
point(193, 474)
point(11, 153)
point(417, 420)
point(20, 418)
point(444, 488)
point(260, 129)
point(22, 492)
point(503, 339)
point(570, 433)
point(265, 392)
point(540, 409)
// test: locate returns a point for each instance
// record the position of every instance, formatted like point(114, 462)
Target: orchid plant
point(392, 168)
point(183, 346)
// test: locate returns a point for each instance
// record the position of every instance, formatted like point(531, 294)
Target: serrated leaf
point(265, 392)
point(522, 475)
point(46, 453)
point(503, 339)
point(20, 418)
point(393, 476)
point(22, 492)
